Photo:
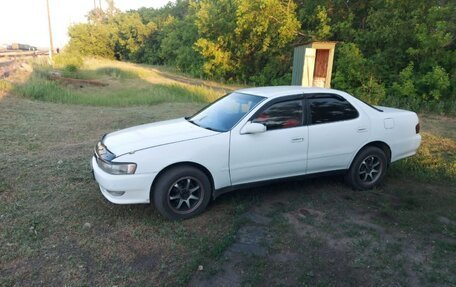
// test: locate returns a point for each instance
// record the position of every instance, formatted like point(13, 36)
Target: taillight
point(417, 128)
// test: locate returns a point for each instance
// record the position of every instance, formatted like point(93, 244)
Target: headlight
point(103, 152)
point(117, 167)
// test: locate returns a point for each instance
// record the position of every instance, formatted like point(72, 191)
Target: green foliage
point(406, 47)
point(316, 24)
point(389, 52)
point(238, 39)
point(350, 69)
point(372, 91)
point(70, 61)
point(110, 34)
point(406, 85)
point(176, 47)
point(352, 75)
point(436, 83)
point(129, 34)
point(92, 39)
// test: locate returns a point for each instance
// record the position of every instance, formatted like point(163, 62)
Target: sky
point(25, 21)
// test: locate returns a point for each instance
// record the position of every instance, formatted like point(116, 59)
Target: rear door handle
point(297, 140)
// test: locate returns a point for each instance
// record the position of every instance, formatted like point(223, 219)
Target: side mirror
point(253, 128)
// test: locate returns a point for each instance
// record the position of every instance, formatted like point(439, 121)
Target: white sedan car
point(248, 137)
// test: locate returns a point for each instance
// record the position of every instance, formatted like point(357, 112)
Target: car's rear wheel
point(368, 168)
point(182, 192)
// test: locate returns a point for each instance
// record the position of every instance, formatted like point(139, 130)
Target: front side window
point(327, 109)
point(223, 114)
point(281, 115)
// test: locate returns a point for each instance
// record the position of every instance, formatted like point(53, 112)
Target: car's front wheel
point(368, 168)
point(182, 192)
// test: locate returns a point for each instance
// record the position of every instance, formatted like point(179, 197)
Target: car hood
point(154, 134)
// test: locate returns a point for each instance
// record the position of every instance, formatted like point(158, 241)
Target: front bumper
point(134, 188)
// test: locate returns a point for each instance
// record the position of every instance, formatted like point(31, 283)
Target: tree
point(110, 34)
point(92, 39)
point(238, 39)
point(400, 52)
point(129, 34)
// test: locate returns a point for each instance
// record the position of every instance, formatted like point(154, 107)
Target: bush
point(71, 68)
point(70, 61)
point(372, 92)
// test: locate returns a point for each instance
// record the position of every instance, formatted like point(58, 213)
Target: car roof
point(280, 91)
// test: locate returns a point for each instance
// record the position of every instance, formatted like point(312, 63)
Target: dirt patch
point(145, 263)
point(321, 234)
point(355, 239)
point(252, 240)
point(77, 83)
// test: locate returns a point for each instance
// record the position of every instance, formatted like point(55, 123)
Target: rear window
point(330, 108)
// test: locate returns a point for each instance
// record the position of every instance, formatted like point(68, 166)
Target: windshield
point(223, 114)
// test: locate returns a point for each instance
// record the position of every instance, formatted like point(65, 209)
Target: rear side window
point(281, 115)
point(330, 108)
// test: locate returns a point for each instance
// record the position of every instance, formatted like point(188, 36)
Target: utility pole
point(51, 48)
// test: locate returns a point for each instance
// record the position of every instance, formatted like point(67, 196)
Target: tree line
point(399, 52)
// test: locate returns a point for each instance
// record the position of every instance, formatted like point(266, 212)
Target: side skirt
point(227, 189)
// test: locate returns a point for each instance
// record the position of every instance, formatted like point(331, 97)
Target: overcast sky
point(25, 21)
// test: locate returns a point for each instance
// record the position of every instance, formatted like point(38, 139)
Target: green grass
point(50, 91)
point(113, 84)
point(47, 196)
point(322, 232)
point(116, 73)
point(435, 160)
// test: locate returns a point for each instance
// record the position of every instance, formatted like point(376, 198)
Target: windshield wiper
point(207, 128)
point(211, 129)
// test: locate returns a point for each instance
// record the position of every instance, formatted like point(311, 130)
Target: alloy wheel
point(370, 169)
point(185, 195)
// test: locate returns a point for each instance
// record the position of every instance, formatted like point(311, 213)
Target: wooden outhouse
point(312, 64)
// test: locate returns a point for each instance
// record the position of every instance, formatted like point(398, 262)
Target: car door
point(336, 131)
point(280, 151)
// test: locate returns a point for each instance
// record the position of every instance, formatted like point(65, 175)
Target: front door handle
point(297, 140)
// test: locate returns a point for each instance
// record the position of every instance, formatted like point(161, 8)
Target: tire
point(182, 192)
point(367, 169)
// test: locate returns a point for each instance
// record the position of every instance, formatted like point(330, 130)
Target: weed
point(121, 85)
point(436, 159)
point(40, 89)
point(69, 61)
